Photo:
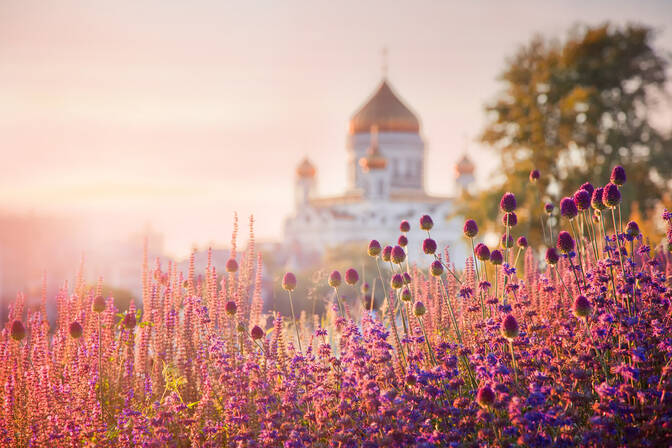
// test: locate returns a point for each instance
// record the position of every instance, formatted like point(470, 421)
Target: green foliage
point(573, 111)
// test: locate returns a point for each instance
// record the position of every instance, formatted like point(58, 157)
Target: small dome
point(386, 111)
point(306, 169)
point(464, 166)
point(374, 160)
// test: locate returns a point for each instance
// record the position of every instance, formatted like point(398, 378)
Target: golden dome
point(385, 110)
point(306, 169)
point(464, 166)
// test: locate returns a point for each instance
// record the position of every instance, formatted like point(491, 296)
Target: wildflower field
point(566, 346)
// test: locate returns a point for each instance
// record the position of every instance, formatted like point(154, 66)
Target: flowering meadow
point(566, 346)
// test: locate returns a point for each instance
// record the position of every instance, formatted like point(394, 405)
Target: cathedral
point(386, 184)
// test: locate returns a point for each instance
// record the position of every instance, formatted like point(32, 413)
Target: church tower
point(376, 179)
point(305, 185)
point(464, 175)
point(398, 141)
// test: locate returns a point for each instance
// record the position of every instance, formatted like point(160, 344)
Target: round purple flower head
point(632, 229)
point(374, 248)
point(75, 330)
point(17, 331)
point(534, 176)
point(548, 208)
point(397, 255)
point(565, 242)
point(506, 243)
point(552, 256)
point(508, 203)
point(509, 328)
point(611, 196)
point(405, 226)
point(426, 222)
point(289, 282)
point(618, 175)
point(406, 295)
point(485, 397)
point(568, 208)
point(130, 321)
point(470, 228)
point(429, 246)
point(582, 199)
point(496, 257)
point(402, 241)
point(98, 305)
point(588, 187)
point(596, 200)
point(387, 253)
point(522, 242)
point(231, 308)
point(231, 265)
point(482, 252)
point(407, 278)
point(436, 268)
point(419, 309)
point(510, 219)
point(397, 281)
point(351, 277)
point(335, 279)
point(257, 332)
point(581, 307)
point(366, 288)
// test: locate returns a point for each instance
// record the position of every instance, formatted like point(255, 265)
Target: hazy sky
point(178, 113)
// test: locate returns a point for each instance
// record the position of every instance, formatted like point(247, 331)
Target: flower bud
point(335, 279)
point(470, 228)
point(17, 331)
point(618, 175)
point(289, 281)
point(565, 242)
point(436, 268)
point(98, 304)
point(522, 242)
point(351, 277)
point(75, 329)
point(485, 397)
point(402, 241)
point(482, 252)
point(129, 321)
point(611, 196)
point(397, 281)
point(406, 295)
point(534, 176)
point(581, 307)
point(426, 222)
point(397, 255)
point(508, 203)
point(509, 327)
point(419, 309)
point(257, 333)
point(231, 308)
point(568, 208)
point(387, 253)
point(429, 246)
point(552, 256)
point(510, 219)
point(496, 257)
point(374, 248)
point(405, 226)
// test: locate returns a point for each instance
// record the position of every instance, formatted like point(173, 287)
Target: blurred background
point(130, 122)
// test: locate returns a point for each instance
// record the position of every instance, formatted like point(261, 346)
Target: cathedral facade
point(386, 184)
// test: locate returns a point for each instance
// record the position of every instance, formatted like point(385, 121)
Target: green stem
point(296, 327)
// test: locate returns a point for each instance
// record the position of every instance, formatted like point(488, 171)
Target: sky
point(175, 114)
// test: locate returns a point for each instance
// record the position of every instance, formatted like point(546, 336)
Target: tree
point(574, 111)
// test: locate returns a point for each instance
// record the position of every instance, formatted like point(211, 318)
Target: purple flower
point(534, 176)
point(508, 203)
point(436, 268)
point(565, 242)
point(419, 309)
point(405, 226)
point(568, 208)
point(406, 295)
point(581, 307)
point(632, 229)
point(98, 305)
point(470, 228)
point(510, 219)
point(397, 255)
point(402, 241)
point(548, 208)
point(506, 243)
point(351, 277)
point(407, 278)
point(257, 332)
point(496, 257)
point(426, 222)
point(596, 200)
point(522, 242)
point(611, 196)
point(429, 246)
point(552, 256)
point(17, 331)
point(582, 199)
point(374, 248)
point(509, 327)
point(387, 253)
point(482, 252)
point(231, 265)
point(75, 329)
point(588, 187)
point(335, 279)
point(485, 397)
point(129, 321)
point(289, 281)
point(231, 308)
point(397, 281)
point(618, 175)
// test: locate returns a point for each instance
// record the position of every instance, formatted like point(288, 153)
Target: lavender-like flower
point(568, 208)
point(470, 228)
point(508, 202)
point(565, 242)
point(611, 195)
point(618, 175)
